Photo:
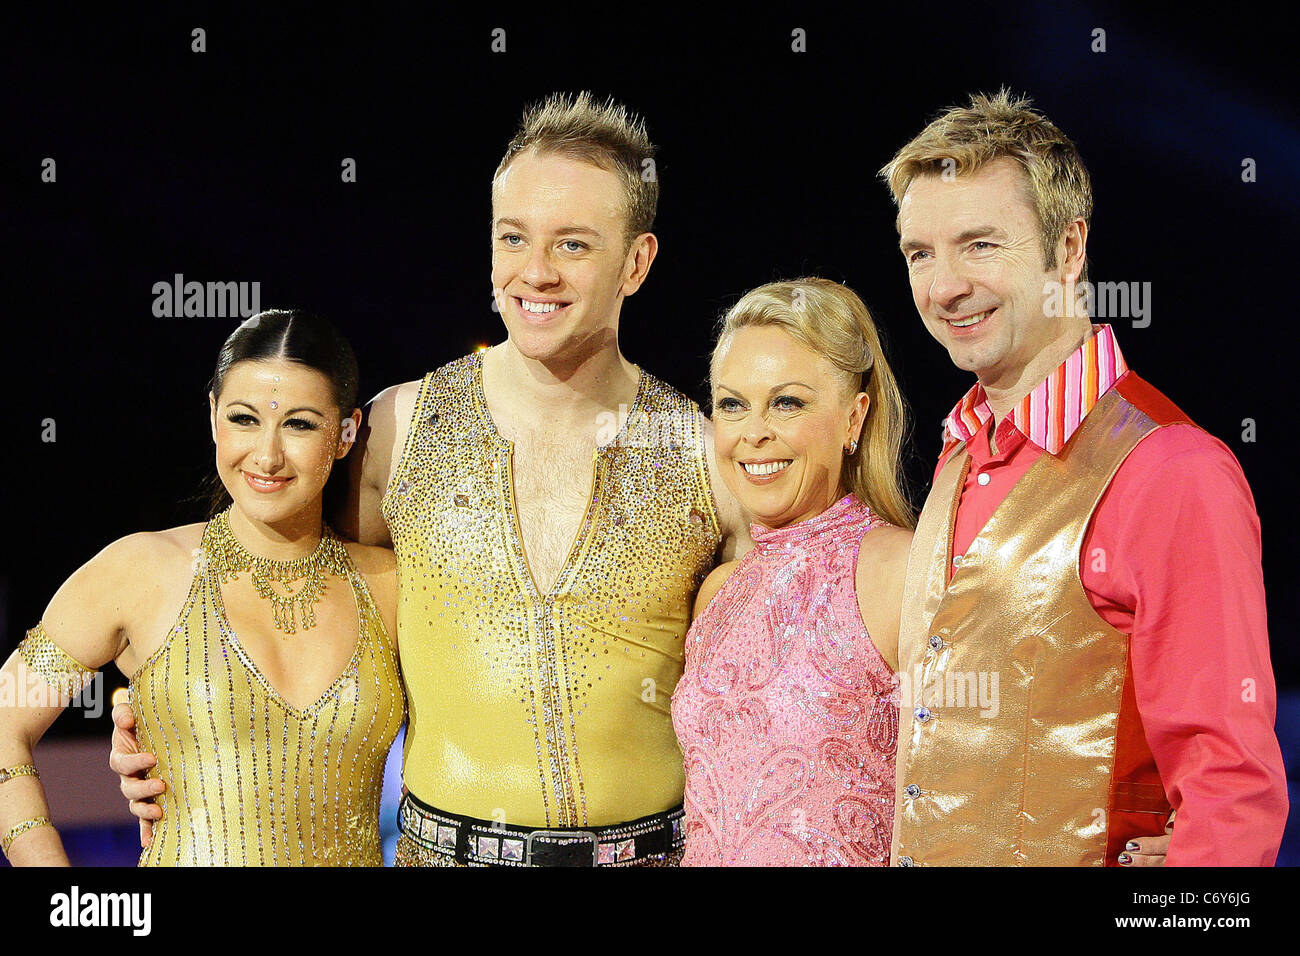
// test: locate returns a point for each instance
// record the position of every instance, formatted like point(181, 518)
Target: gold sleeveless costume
point(546, 710)
point(252, 781)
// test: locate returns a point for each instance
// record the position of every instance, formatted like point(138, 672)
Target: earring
point(853, 445)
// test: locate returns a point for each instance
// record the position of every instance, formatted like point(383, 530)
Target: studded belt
point(487, 842)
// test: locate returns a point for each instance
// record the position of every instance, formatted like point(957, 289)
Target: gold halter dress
point(253, 781)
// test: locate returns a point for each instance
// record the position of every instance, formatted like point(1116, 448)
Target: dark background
point(225, 166)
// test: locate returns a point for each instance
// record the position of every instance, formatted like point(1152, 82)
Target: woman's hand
point(1148, 850)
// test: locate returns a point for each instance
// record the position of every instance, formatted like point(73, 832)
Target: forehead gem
point(275, 404)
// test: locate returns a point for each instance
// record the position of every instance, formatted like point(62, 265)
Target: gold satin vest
point(546, 710)
point(1048, 766)
point(252, 781)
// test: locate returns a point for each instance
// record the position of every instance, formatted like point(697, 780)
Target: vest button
point(936, 641)
point(922, 714)
point(956, 561)
point(912, 790)
point(982, 478)
point(906, 861)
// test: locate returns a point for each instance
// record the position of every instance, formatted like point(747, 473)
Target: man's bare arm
point(131, 765)
point(370, 465)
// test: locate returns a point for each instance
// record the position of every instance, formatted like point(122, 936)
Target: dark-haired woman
point(263, 672)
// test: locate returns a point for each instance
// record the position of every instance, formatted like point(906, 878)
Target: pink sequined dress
point(786, 712)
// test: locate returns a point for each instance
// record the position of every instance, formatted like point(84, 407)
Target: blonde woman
point(787, 712)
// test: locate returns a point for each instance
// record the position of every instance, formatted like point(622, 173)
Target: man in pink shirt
point(1084, 642)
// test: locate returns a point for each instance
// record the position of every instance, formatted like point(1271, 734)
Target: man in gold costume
point(1083, 641)
point(552, 510)
point(550, 507)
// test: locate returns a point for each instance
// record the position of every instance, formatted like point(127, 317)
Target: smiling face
point(783, 419)
point(277, 431)
point(560, 262)
point(975, 263)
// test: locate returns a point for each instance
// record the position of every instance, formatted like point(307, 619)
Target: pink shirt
point(1173, 559)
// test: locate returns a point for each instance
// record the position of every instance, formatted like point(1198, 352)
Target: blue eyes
point(786, 403)
point(979, 245)
point(573, 246)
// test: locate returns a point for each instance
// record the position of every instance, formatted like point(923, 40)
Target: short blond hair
point(964, 139)
point(832, 321)
point(605, 135)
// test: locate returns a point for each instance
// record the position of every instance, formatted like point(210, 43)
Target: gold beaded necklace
point(228, 558)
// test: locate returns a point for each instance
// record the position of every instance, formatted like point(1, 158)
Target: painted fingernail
point(1130, 845)
point(1125, 859)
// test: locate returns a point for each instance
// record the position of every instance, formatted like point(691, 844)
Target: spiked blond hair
point(605, 135)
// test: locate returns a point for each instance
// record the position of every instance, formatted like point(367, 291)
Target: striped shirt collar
point(1055, 409)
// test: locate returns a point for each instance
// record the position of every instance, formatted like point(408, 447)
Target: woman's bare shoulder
point(712, 584)
point(885, 548)
point(122, 591)
point(152, 551)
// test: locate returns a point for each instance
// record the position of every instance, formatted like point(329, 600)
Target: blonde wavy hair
point(964, 139)
point(832, 321)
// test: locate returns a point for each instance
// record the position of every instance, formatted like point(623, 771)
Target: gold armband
point(56, 667)
point(19, 829)
point(22, 770)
